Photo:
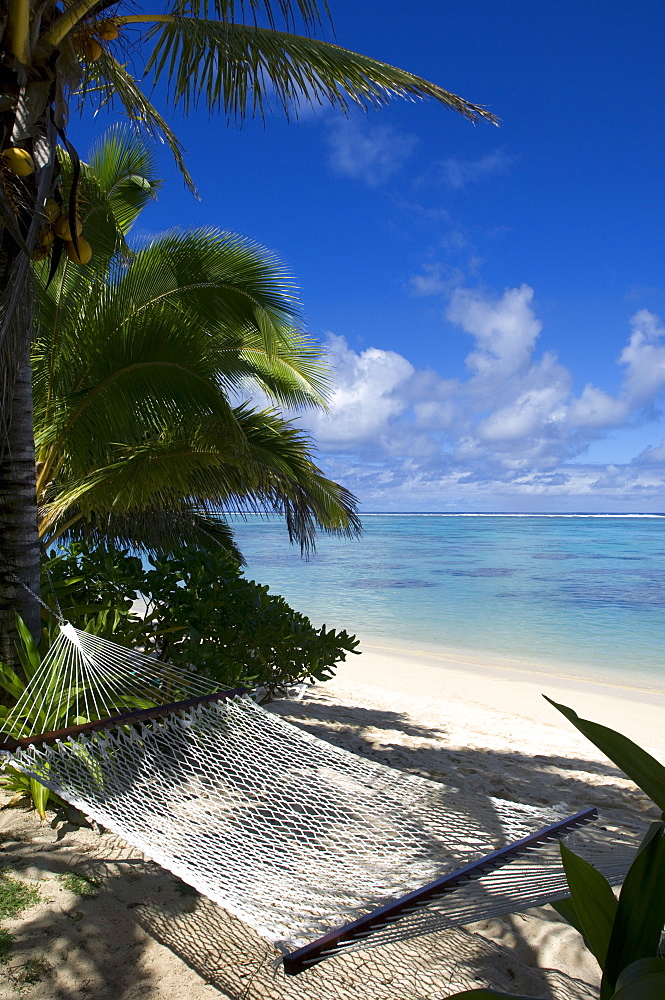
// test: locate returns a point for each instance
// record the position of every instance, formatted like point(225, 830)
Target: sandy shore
point(141, 934)
point(507, 687)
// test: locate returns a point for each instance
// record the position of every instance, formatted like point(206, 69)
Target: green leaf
point(635, 762)
point(241, 69)
point(112, 83)
point(642, 980)
point(27, 650)
point(40, 796)
point(594, 902)
point(11, 682)
point(640, 916)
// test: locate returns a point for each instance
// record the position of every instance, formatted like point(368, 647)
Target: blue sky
point(493, 299)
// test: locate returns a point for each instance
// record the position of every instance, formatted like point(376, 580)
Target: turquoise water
point(584, 595)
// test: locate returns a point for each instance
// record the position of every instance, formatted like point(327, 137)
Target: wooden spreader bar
point(309, 955)
point(128, 719)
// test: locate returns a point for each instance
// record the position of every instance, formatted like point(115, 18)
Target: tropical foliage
point(623, 934)
point(193, 611)
point(135, 365)
point(12, 686)
point(57, 53)
point(188, 610)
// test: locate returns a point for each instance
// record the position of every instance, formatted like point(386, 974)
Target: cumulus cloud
point(512, 427)
point(644, 358)
point(651, 455)
point(368, 396)
point(369, 153)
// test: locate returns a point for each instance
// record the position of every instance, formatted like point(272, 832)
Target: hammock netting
point(292, 835)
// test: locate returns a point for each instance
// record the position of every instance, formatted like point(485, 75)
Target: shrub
point(193, 608)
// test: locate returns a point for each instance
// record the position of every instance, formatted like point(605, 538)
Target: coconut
point(51, 210)
point(89, 48)
point(62, 228)
point(84, 254)
point(107, 30)
point(45, 236)
point(19, 160)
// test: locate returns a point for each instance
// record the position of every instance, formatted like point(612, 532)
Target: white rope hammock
point(300, 839)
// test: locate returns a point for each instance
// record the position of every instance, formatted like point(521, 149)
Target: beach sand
point(478, 725)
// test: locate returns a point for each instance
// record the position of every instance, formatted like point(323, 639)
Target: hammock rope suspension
point(312, 846)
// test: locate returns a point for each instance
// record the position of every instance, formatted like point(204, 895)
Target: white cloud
point(652, 456)
point(436, 279)
point(369, 153)
point(396, 435)
point(595, 408)
point(505, 331)
point(644, 357)
point(367, 397)
point(458, 174)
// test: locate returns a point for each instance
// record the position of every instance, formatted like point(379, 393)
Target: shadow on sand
point(97, 947)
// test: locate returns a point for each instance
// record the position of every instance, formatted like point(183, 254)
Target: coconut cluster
point(58, 227)
point(87, 42)
point(18, 161)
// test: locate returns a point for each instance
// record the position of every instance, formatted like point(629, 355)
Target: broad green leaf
point(11, 682)
point(40, 796)
point(28, 652)
point(643, 980)
point(638, 970)
point(640, 916)
point(635, 762)
point(594, 902)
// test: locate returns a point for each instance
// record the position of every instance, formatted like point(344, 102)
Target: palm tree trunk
point(21, 201)
point(19, 541)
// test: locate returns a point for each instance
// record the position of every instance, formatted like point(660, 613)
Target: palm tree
point(54, 51)
point(134, 363)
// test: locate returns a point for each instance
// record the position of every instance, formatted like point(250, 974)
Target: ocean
point(578, 595)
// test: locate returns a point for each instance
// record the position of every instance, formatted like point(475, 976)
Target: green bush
point(195, 609)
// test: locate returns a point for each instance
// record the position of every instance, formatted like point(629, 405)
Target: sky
point(492, 299)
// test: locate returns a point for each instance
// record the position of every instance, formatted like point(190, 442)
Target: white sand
point(507, 687)
point(484, 726)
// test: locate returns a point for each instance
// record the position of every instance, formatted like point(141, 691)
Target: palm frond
point(193, 467)
point(134, 366)
point(124, 167)
point(231, 11)
point(111, 82)
point(155, 531)
point(296, 376)
point(225, 278)
point(238, 68)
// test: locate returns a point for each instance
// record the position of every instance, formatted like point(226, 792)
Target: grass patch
point(30, 973)
point(81, 884)
point(6, 945)
point(15, 896)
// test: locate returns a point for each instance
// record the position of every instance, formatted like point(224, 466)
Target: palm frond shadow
point(538, 780)
point(92, 946)
point(237, 962)
point(98, 946)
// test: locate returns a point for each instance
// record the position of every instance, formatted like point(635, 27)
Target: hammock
point(312, 846)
